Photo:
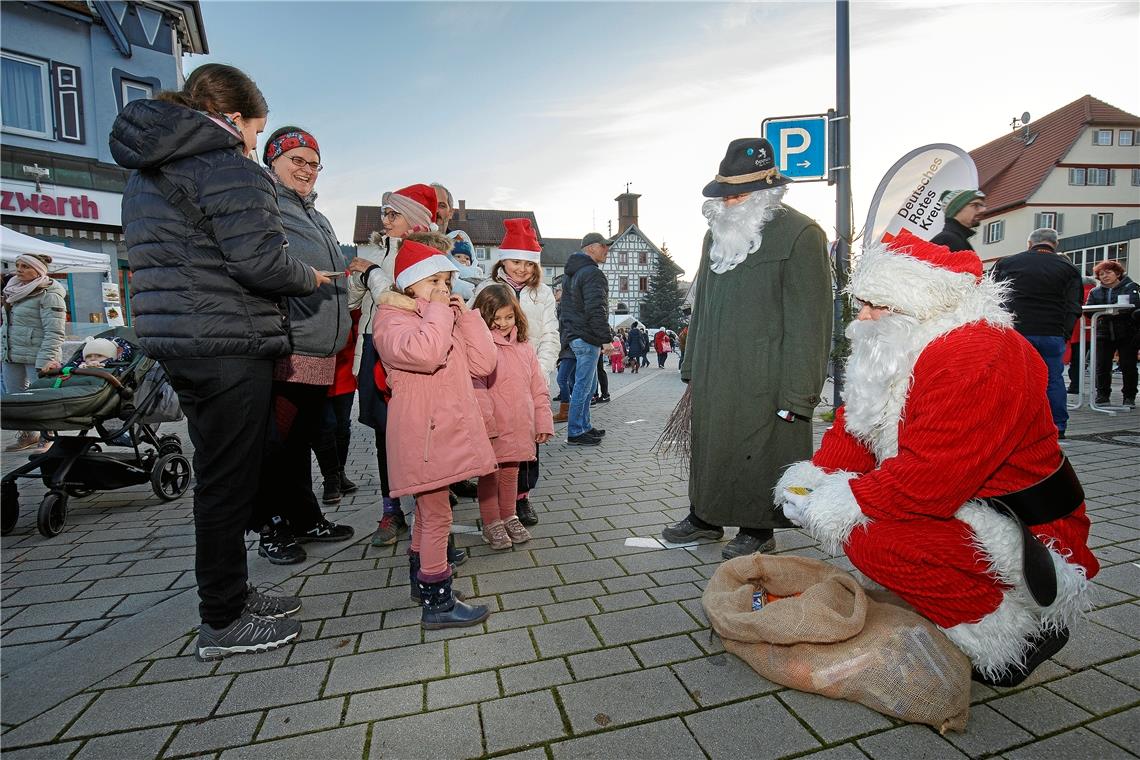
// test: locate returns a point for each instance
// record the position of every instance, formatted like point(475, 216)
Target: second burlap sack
point(829, 637)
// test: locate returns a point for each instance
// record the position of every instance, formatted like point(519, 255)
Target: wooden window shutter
point(67, 94)
point(1037, 221)
point(1060, 223)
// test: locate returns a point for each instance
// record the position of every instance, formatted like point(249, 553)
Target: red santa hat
point(416, 203)
point(415, 261)
point(915, 277)
point(520, 242)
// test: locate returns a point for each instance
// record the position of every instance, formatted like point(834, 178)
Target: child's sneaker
point(496, 535)
point(392, 526)
point(516, 530)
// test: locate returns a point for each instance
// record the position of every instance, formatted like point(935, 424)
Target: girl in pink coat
point(431, 346)
point(516, 398)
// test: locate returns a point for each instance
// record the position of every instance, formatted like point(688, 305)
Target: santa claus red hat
point(520, 241)
point(415, 261)
point(914, 276)
point(416, 203)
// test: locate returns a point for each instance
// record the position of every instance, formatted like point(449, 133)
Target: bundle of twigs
point(677, 438)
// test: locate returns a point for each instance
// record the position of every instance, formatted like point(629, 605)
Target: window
point(623, 258)
point(135, 91)
point(643, 284)
point(26, 96)
point(995, 231)
point(68, 102)
point(1049, 219)
point(1127, 137)
point(623, 284)
point(1136, 177)
point(1101, 222)
point(1102, 137)
point(481, 254)
point(643, 258)
point(1085, 259)
point(1099, 177)
point(1076, 176)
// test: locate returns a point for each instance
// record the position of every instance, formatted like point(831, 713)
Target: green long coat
point(759, 339)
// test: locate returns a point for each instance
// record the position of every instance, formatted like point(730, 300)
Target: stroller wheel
point(9, 507)
point(53, 513)
point(170, 444)
point(170, 476)
point(79, 492)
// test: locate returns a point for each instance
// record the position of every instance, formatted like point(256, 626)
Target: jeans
point(1052, 350)
point(226, 403)
point(585, 379)
point(565, 378)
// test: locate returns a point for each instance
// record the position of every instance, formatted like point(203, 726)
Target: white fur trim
point(424, 268)
point(1000, 639)
point(520, 255)
point(804, 474)
point(832, 512)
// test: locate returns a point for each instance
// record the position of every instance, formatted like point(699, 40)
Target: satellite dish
point(1025, 117)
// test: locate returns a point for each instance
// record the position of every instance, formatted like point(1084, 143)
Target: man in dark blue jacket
point(585, 328)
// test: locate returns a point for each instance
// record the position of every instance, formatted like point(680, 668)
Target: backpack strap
point(180, 200)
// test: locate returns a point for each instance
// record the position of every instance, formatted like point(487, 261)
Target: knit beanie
point(416, 203)
point(100, 347)
point(415, 261)
point(954, 201)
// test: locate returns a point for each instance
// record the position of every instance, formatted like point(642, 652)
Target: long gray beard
point(738, 230)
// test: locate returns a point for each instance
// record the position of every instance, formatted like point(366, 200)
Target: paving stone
point(615, 700)
point(176, 668)
point(580, 572)
point(517, 580)
point(462, 690)
point(214, 734)
point(579, 608)
point(1122, 729)
point(555, 639)
point(384, 703)
point(454, 733)
point(275, 686)
point(492, 650)
point(603, 662)
point(132, 744)
point(578, 591)
point(62, 612)
point(908, 743)
point(666, 559)
point(336, 582)
point(377, 600)
point(624, 601)
point(759, 728)
point(134, 603)
point(322, 606)
point(87, 627)
point(34, 634)
point(832, 720)
point(150, 705)
point(47, 725)
point(721, 678)
point(1126, 669)
point(987, 732)
point(272, 659)
point(649, 741)
point(363, 672)
point(301, 719)
point(664, 651)
point(534, 675)
point(505, 727)
point(628, 583)
point(1039, 711)
point(521, 599)
point(323, 649)
point(1124, 618)
point(643, 623)
point(58, 592)
point(45, 752)
point(339, 743)
point(1080, 743)
point(514, 619)
point(1092, 644)
point(1095, 691)
point(390, 638)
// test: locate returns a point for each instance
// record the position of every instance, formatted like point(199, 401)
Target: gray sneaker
point(246, 635)
point(263, 605)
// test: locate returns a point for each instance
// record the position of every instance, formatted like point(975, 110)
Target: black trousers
point(528, 473)
point(1105, 348)
point(334, 435)
point(226, 403)
point(286, 487)
point(603, 378)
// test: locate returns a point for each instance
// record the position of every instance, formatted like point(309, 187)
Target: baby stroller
point(116, 410)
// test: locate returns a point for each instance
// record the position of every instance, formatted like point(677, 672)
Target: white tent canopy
point(63, 259)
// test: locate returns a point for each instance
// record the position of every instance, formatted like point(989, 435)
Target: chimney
point(627, 210)
point(462, 215)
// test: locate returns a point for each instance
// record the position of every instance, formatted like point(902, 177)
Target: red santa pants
point(498, 493)
point(930, 563)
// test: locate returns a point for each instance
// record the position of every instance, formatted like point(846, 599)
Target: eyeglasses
point(301, 163)
point(859, 303)
point(389, 215)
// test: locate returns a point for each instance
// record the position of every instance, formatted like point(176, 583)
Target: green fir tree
point(661, 306)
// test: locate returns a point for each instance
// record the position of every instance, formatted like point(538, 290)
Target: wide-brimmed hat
point(749, 164)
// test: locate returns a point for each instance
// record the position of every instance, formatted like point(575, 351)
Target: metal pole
point(842, 174)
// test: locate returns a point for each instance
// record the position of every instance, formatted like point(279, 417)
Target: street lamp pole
point(842, 169)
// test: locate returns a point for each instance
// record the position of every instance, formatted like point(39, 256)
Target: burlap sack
point(834, 640)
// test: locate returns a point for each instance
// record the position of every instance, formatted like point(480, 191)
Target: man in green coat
point(757, 349)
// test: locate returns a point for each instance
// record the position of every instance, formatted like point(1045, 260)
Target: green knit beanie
point(954, 201)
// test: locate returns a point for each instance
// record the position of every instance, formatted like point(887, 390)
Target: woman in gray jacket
point(35, 310)
point(286, 511)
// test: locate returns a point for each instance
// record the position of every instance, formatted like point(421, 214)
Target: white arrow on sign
point(804, 164)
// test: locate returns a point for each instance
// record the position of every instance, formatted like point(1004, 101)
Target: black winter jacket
point(1122, 326)
point(193, 294)
point(955, 236)
point(585, 302)
point(1045, 292)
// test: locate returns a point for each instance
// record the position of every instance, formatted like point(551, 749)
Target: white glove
point(796, 506)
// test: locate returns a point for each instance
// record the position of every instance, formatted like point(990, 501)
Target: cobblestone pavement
point(595, 649)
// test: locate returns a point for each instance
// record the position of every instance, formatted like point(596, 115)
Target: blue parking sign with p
point(800, 145)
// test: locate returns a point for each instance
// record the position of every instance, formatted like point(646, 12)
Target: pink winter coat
point(435, 432)
point(517, 398)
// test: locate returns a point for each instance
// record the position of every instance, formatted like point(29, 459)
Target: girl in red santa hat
point(431, 347)
point(942, 478)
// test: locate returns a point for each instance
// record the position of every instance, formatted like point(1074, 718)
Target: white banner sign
point(55, 203)
point(908, 195)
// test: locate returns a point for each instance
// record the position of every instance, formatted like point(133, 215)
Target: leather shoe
point(596, 432)
point(583, 440)
point(745, 544)
point(687, 531)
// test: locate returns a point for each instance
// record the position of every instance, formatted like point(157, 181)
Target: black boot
point(332, 490)
point(452, 499)
point(455, 555)
point(414, 569)
point(525, 512)
point(442, 610)
point(329, 462)
point(346, 485)
point(1040, 650)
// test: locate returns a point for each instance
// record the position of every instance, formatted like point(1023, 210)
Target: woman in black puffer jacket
point(209, 265)
point(1116, 333)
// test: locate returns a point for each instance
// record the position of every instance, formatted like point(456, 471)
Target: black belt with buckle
point(1057, 496)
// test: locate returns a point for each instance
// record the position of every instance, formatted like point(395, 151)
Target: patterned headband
point(286, 141)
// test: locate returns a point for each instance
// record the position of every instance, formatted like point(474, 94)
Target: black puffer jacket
point(955, 236)
point(192, 294)
point(1124, 325)
point(585, 302)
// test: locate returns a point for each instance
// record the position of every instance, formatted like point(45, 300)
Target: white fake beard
point(879, 371)
point(738, 230)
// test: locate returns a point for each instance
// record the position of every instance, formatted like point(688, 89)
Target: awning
point(63, 259)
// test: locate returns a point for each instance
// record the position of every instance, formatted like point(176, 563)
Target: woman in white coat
point(519, 266)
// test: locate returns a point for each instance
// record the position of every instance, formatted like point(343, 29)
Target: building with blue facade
point(67, 70)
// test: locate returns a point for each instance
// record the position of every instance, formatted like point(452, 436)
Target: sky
point(554, 107)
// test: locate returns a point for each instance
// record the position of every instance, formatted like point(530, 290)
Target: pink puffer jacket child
point(517, 397)
point(435, 431)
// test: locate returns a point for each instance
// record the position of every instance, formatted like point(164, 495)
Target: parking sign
point(800, 144)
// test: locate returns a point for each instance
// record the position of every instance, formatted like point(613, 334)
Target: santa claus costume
point(942, 478)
